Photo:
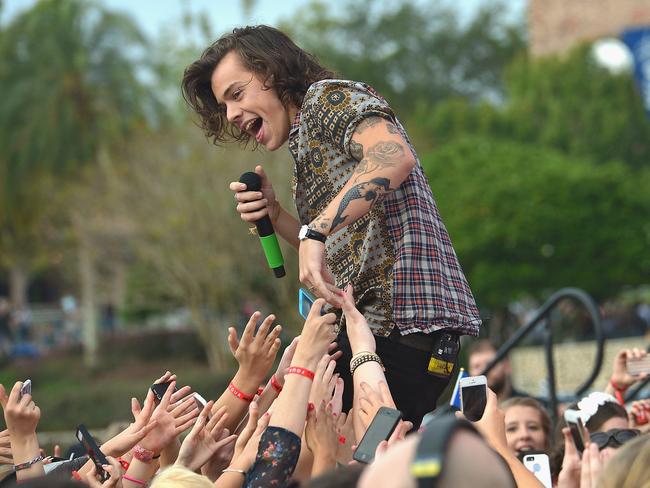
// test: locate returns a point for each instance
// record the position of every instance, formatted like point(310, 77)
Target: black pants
point(414, 390)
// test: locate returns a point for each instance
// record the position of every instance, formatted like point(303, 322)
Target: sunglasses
point(614, 437)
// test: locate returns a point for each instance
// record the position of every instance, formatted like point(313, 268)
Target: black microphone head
point(252, 181)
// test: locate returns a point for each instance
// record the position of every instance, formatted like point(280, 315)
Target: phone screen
point(93, 450)
point(305, 301)
point(26, 389)
point(380, 429)
point(474, 401)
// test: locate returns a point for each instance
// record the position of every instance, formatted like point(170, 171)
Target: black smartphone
point(473, 397)
point(93, 451)
point(159, 389)
point(380, 429)
point(574, 422)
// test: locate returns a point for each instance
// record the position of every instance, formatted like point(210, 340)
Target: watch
point(307, 233)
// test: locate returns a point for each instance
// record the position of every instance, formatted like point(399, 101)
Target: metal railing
point(591, 307)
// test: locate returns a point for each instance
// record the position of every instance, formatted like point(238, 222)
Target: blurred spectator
point(479, 355)
point(5, 328)
point(528, 425)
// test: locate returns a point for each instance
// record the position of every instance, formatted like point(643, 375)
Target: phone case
point(538, 464)
point(473, 410)
point(305, 301)
point(638, 366)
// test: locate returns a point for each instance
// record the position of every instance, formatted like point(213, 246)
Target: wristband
point(233, 470)
point(301, 371)
point(240, 394)
point(276, 384)
point(362, 358)
point(143, 455)
point(618, 392)
point(124, 463)
point(616, 387)
point(28, 464)
point(133, 480)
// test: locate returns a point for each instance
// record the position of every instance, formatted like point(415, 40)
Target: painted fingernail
point(310, 406)
point(76, 475)
point(342, 439)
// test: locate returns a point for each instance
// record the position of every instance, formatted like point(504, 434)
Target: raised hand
point(205, 439)
point(255, 352)
point(249, 439)
point(222, 458)
point(324, 382)
point(5, 448)
point(356, 326)
point(171, 421)
point(621, 377)
point(370, 401)
point(317, 334)
point(285, 360)
point(21, 413)
point(322, 437)
point(114, 471)
point(136, 431)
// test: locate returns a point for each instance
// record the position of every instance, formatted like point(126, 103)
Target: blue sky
point(154, 15)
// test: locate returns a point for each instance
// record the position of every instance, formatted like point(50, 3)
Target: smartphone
point(538, 465)
point(305, 301)
point(380, 429)
point(93, 451)
point(26, 389)
point(574, 422)
point(473, 397)
point(638, 366)
point(159, 389)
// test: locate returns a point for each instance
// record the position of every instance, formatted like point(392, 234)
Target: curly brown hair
point(267, 52)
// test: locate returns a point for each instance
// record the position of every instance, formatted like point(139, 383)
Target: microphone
point(265, 230)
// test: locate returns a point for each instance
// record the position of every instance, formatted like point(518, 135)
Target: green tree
point(567, 103)
point(69, 77)
point(526, 220)
point(414, 53)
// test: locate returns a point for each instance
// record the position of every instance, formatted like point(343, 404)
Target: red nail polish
point(342, 439)
point(310, 406)
point(76, 475)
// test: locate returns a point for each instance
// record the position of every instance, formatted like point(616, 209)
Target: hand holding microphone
point(256, 202)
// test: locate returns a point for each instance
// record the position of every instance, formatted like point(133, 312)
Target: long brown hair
point(267, 52)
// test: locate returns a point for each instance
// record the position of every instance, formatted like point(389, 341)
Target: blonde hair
point(630, 467)
point(180, 477)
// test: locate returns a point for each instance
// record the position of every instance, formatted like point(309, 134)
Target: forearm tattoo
point(370, 191)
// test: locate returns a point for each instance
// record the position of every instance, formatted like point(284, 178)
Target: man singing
point(366, 215)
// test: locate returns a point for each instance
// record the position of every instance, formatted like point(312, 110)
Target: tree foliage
point(570, 104)
point(414, 53)
point(525, 219)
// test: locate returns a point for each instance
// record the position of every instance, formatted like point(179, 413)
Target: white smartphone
point(538, 465)
point(574, 422)
point(473, 397)
point(26, 389)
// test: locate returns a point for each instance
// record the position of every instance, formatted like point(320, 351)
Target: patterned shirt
point(398, 256)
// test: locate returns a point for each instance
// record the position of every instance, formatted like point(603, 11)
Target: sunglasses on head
point(614, 437)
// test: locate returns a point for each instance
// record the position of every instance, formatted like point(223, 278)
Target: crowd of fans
point(293, 432)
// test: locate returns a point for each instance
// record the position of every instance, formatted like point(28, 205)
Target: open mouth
point(253, 126)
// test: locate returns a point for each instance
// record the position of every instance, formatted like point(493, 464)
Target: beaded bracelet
point(276, 384)
point(143, 455)
point(240, 394)
point(28, 464)
point(301, 371)
point(360, 359)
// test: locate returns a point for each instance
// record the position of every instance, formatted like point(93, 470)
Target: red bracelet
point(134, 480)
point(124, 463)
point(301, 371)
point(618, 393)
point(617, 387)
point(275, 384)
point(240, 394)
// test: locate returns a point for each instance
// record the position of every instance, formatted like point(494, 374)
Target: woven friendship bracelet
point(28, 464)
point(360, 359)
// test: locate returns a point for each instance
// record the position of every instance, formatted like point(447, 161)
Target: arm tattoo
point(384, 154)
point(356, 150)
point(321, 224)
point(370, 191)
point(369, 122)
point(392, 128)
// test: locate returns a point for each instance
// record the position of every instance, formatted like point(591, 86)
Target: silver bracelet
point(234, 470)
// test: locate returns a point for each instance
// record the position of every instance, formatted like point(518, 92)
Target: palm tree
point(71, 82)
